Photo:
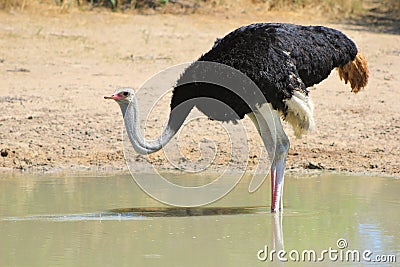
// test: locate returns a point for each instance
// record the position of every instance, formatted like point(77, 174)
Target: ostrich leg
point(269, 126)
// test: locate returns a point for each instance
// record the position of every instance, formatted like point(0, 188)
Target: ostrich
point(282, 60)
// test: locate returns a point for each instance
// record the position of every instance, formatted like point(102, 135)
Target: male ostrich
point(282, 60)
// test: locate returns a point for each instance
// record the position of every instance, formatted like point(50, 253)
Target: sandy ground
point(56, 68)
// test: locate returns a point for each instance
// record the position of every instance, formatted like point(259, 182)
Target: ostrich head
point(122, 95)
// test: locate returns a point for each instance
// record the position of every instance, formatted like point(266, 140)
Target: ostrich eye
point(125, 93)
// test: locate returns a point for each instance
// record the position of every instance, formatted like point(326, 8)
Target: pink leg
point(276, 142)
point(273, 190)
point(277, 181)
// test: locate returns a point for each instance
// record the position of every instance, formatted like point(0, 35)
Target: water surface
point(109, 221)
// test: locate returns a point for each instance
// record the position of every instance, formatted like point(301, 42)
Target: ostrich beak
point(113, 97)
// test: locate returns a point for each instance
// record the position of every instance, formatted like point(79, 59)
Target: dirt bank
point(55, 68)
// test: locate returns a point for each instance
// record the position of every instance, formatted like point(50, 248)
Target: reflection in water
point(142, 213)
point(276, 218)
point(78, 221)
point(183, 212)
point(277, 232)
point(374, 236)
point(125, 214)
point(103, 216)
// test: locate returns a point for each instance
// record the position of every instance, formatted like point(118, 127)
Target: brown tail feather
point(356, 72)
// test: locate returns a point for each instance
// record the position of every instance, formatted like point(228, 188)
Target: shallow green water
point(109, 221)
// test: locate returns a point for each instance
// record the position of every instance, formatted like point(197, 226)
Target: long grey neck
point(132, 125)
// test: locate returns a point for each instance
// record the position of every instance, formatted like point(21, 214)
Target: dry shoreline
point(56, 68)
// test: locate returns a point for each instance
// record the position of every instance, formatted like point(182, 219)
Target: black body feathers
point(278, 58)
